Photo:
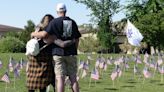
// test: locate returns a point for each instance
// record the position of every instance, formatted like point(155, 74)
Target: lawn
point(128, 82)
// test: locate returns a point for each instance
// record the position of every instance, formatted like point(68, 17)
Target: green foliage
point(11, 44)
point(148, 16)
point(106, 38)
point(12, 34)
point(102, 12)
point(15, 41)
point(152, 27)
point(25, 35)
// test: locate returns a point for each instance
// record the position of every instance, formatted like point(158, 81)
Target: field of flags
point(12, 72)
point(114, 70)
point(96, 73)
point(151, 65)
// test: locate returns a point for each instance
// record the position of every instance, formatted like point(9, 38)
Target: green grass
point(126, 83)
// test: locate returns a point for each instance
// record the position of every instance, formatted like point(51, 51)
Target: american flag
point(11, 64)
point(119, 73)
point(5, 78)
point(118, 69)
point(117, 62)
point(16, 73)
point(135, 70)
point(160, 61)
point(146, 73)
point(146, 55)
point(97, 62)
point(81, 65)
point(114, 75)
point(101, 65)
point(77, 78)
point(84, 74)
point(89, 57)
point(138, 59)
point(161, 70)
point(127, 66)
point(86, 66)
point(21, 63)
point(109, 61)
point(67, 81)
point(18, 66)
point(105, 67)
point(121, 59)
point(95, 74)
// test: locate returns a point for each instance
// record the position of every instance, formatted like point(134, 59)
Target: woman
point(40, 72)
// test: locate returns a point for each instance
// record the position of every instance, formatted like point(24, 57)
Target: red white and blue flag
point(95, 74)
point(5, 78)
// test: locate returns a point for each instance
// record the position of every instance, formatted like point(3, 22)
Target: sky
point(17, 12)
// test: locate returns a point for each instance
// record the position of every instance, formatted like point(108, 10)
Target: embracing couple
point(61, 37)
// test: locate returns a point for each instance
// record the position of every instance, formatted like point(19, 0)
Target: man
point(65, 60)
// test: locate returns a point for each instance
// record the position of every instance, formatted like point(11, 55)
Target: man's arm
point(53, 39)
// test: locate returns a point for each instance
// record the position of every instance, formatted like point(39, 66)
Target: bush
point(11, 44)
point(89, 44)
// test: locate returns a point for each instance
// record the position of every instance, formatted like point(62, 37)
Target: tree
point(148, 16)
point(102, 12)
point(152, 27)
point(25, 35)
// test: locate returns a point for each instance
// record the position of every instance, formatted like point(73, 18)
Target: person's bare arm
point(40, 34)
point(53, 39)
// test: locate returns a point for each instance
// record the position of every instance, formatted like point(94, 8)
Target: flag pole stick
point(143, 82)
point(89, 83)
point(123, 71)
point(162, 75)
point(6, 87)
point(155, 70)
point(68, 87)
point(139, 77)
point(80, 72)
point(161, 78)
point(102, 72)
point(134, 72)
point(95, 82)
point(14, 81)
point(113, 83)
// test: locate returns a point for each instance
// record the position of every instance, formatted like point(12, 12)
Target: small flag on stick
point(5, 78)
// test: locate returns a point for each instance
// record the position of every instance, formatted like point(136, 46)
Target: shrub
point(11, 44)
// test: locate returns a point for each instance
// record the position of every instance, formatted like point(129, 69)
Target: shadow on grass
point(97, 82)
point(132, 82)
point(2, 81)
point(161, 84)
point(85, 90)
point(154, 81)
point(127, 86)
point(114, 89)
